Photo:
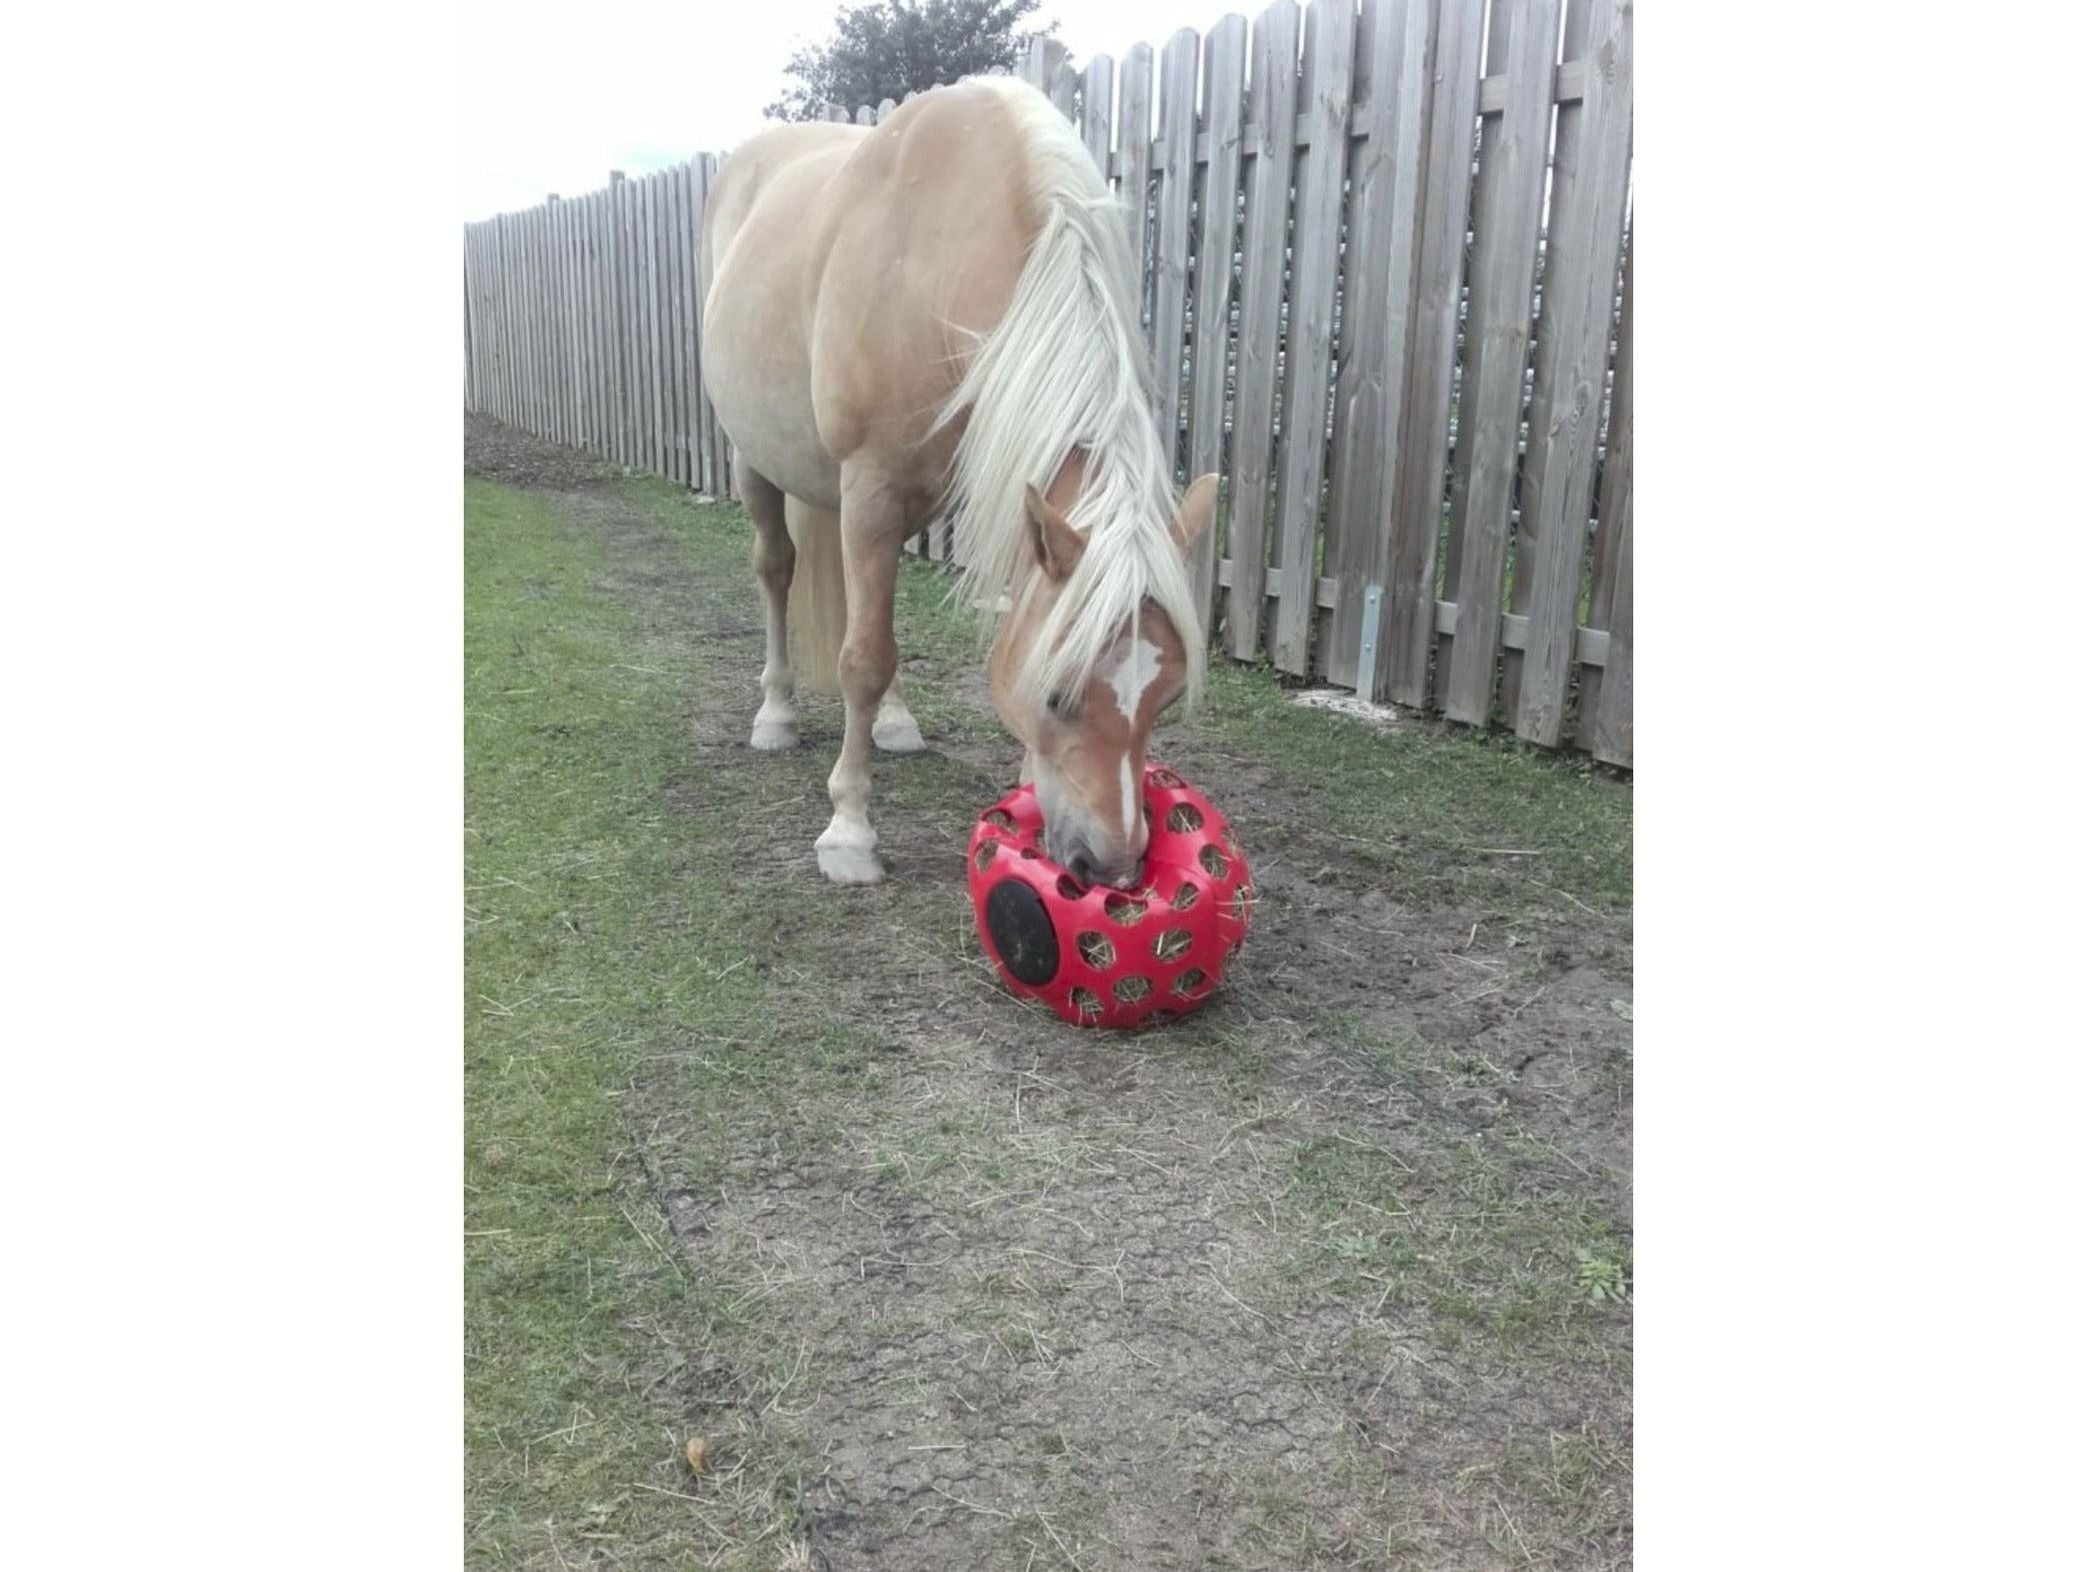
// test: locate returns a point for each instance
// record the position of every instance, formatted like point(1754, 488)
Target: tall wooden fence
point(1386, 280)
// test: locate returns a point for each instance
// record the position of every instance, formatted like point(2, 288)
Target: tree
point(895, 47)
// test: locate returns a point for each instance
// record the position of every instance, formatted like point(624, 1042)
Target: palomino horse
point(939, 312)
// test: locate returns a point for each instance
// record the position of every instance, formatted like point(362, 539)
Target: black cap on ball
point(1020, 929)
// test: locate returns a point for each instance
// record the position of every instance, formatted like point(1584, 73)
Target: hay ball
point(1105, 957)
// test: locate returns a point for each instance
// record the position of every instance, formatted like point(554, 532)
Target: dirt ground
point(1335, 1274)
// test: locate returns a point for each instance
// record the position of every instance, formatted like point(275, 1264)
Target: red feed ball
point(1105, 957)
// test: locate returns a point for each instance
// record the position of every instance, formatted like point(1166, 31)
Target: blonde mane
point(1066, 368)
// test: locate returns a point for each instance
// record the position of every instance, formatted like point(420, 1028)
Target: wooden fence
point(1386, 280)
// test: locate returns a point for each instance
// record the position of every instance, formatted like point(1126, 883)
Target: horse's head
point(1088, 735)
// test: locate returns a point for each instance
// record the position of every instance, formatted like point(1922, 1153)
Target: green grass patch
point(585, 951)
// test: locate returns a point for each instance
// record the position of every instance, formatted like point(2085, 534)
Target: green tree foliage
point(894, 47)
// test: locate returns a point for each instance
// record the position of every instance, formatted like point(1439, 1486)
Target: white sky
point(555, 96)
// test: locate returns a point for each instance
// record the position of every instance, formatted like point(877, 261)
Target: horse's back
point(784, 160)
point(758, 254)
point(853, 269)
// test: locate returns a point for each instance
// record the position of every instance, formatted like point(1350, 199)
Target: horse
point(936, 315)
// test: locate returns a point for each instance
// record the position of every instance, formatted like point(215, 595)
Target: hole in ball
point(1029, 853)
point(1125, 909)
point(1183, 817)
point(998, 817)
point(1087, 1004)
point(1160, 776)
point(1241, 903)
point(985, 854)
point(1131, 989)
point(1097, 950)
point(1189, 982)
point(1172, 943)
point(1068, 888)
point(1214, 863)
point(1184, 900)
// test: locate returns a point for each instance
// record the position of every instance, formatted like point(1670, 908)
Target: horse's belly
point(778, 440)
point(756, 370)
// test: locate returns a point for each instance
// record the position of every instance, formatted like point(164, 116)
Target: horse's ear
point(1196, 515)
point(1056, 546)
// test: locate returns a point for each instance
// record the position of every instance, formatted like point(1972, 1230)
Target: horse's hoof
point(774, 736)
point(897, 733)
point(850, 864)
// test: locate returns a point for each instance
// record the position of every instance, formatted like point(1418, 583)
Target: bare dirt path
point(1331, 1275)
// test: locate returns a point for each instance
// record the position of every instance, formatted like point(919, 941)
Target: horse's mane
point(1064, 368)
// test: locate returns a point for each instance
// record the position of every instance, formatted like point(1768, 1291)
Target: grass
point(583, 954)
point(612, 929)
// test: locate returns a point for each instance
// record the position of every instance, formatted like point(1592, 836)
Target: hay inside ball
point(1104, 957)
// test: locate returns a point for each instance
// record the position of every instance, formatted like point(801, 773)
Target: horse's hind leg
point(894, 727)
point(775, 727)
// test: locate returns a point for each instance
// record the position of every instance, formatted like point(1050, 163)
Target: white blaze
point(1138, 669)
point(1127, 796)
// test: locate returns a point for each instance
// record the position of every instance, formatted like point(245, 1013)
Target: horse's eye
point(1058, 704)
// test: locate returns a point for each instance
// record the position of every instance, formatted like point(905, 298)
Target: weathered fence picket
point(1177, 113)
point(1098, 112)
point(1379, 246)
point(1324, 98)
point(1269, 137)
point(1136, 157)
point(1222, 126)
point(1509, 211)
point(1393, 75)
point(1590, 186)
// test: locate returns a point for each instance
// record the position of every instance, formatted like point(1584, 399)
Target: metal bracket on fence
point(1371, 630)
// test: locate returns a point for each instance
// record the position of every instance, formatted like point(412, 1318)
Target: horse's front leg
point(872, 526)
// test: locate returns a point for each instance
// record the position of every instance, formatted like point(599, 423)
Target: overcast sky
point(557, 95)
